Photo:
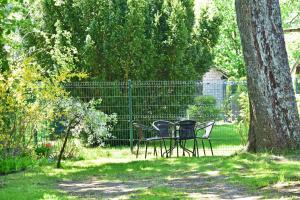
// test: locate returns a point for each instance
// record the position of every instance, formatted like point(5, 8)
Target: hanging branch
point(292, 30)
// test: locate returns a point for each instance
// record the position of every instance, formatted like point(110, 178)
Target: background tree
point(3, 59)
point(274, 120)
point(228, 51)
point(129, 39)
point(291, 25)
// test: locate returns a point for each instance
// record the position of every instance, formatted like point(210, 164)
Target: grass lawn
point(116, 174)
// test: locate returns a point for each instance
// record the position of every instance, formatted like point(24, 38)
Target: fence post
point(130, 113)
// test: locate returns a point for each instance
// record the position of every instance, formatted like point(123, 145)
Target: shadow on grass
point(252, 171)
point(175, 177)
point(168, 178)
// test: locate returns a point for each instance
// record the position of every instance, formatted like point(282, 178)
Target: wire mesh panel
point(162, 100)
point(147, 101)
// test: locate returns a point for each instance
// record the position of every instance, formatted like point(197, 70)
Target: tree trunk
point(62, 150)
point(71, 125)
point(274, 119)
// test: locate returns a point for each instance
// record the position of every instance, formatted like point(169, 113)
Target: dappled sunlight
point(104, 189)
point(212, 173)
point(115, 176)
point(53, 197)
point(291, 188)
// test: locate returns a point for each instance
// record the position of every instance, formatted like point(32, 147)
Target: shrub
point(72, 150)
point(14, 164)
point(28, 96)
point(77, 117)
point(204, 109)
point(44, 150)
point(244, 117)
point(237, 94)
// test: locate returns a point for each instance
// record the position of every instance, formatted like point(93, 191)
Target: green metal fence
point(147, 101)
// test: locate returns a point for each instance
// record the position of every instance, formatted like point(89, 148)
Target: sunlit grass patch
point(255, 172)
point(155, 193)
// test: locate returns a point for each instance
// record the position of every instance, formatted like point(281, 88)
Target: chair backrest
point(164, 128)
point(140, 128)
point(186, 129)
point(208, 129)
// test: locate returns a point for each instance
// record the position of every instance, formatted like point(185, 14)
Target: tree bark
point(62, 150)
point(274, 119)
point(68, 133)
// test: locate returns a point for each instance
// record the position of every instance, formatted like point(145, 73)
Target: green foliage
point(230, 99)
point(204, 109)
point(244, 110)
point(28, 99)
point(14, 164)
point(129, 39)
point(82, 118)
point(44, 150)
point(291, 19)
point(72, 150)
point(290, 13)
point(237, 96)
point(244, 117)
point(15, 25)
point(76, 117)
point(3, 59)
point(228, 51)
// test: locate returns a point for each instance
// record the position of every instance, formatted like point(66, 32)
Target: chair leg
point(161, 154)
point(183, 149)
point(138, 148)
point(155, 151)
point(212, 153)
point(197, 147)
point(187, 149)
point(170, 148)
point(194, 148)
point(177, 148)
point(203, 147)
point(146, 149)
point(165, 147)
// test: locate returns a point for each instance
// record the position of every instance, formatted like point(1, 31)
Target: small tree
point(76, 117)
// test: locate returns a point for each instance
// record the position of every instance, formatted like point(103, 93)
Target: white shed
point(214, 85)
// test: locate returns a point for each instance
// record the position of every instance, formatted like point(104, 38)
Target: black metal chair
point(186, 130)
point(207, 127)
point(141, 137)
point(164, 130)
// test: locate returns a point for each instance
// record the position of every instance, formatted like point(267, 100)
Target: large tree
point(128, 39)
point(274, 120)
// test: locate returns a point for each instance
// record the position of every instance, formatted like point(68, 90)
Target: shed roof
point(219, 70)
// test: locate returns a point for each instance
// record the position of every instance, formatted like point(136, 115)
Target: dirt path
point(196, 186)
